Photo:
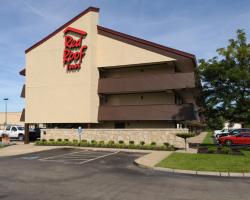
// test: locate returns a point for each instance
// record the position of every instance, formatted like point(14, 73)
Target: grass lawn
point(208, 139)
point(208, 162)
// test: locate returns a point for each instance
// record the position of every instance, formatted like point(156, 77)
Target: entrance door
point(119, 125)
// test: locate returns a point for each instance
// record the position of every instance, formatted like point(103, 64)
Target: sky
point(195, 26)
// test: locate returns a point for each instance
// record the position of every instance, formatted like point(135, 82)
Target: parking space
point(78, 157)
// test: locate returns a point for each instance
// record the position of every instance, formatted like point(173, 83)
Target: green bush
point(166, 144)
point(226, 150)
point(101, 144)
point(131, 142)
point(59, 140)
point(51, 140)
point(66, 140)
point(153, 143)
point(212, 149)
point(110, 144)
point(121, 142)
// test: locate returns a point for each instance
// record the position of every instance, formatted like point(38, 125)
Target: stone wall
point(159, 136)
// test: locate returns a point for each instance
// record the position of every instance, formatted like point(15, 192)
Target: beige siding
point(52, 94)
point(112, 52)
point(12, 118)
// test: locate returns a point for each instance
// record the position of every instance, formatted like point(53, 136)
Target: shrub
point(44, 140)
point(66, 140)
point(101, 144)
point(226, 150)
point(212, 149)
point(51, 140)
point(59, 140)
point(166, 144)
point(93, 142)
point(131, 142)
point(111, 142)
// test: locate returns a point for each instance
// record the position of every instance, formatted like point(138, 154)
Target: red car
point(239, 138)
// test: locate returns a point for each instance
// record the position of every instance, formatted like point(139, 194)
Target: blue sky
point(195, 26)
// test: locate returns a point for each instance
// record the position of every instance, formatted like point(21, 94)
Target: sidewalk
point(150, 160)
point(197, 139)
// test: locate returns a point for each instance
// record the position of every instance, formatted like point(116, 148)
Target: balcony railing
point(147, 112)
point(146, 83)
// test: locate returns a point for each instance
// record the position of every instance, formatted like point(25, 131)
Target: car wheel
point(228, 142)
point(20, 137)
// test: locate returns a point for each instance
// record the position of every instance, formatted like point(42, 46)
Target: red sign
point(74, 51)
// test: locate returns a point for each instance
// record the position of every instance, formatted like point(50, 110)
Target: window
point(8, 128)
point(178, 100)
point(20, 128)
point(14, 129)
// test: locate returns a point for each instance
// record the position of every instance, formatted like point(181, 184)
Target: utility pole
point(6, 111)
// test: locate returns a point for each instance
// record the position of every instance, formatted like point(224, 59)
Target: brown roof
point(22, 72)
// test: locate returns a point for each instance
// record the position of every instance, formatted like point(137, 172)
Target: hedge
point(110, 144)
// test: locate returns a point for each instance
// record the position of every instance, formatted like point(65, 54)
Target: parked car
point(34, 134)
point(14, 131)
point(217, 133)
point(237, 136)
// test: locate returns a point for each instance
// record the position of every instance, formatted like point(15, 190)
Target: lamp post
point(6, 110)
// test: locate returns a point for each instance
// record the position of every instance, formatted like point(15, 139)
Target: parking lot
point(79, 174)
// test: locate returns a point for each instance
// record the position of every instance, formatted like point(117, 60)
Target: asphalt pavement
point(90, 175)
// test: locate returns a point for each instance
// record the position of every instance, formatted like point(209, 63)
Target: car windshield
point(20, 128)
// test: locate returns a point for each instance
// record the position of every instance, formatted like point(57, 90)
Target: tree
point(226, 82)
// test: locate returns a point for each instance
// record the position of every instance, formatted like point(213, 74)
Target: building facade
point(86, 74)
point(11, 118)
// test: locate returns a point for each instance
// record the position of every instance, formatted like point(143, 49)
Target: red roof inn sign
point(74, 51)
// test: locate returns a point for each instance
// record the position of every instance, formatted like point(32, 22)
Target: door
point(119, 125)
point(7, 130)
point(13, 132)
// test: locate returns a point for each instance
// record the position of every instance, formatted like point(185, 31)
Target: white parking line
point(79, 157)
point(59, 155)
point(98, 157)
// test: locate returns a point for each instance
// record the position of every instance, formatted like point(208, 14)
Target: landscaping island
point(210, 157)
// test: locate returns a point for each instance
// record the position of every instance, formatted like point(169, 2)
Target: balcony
point(147, 112)
point(23, 92)
point(146, 83)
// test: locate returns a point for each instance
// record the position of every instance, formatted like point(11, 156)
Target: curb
point(197, 173)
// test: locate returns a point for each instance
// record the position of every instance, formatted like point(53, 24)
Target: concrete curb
point(192, 172)
point(21, 149)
